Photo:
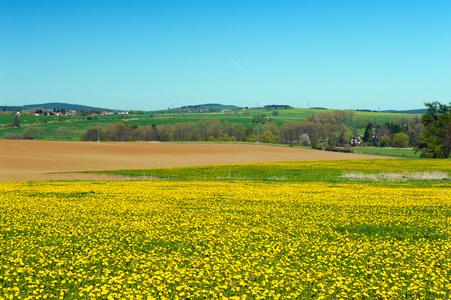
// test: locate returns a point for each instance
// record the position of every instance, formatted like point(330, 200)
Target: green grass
point(396, 231)
point(307, 171)
point(408, 152)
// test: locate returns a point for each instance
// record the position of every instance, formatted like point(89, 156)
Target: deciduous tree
point(434, 139)
point(400, 140)
point(16, 121)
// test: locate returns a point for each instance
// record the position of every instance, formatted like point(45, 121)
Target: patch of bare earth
point(51, 160)
point(426, 175)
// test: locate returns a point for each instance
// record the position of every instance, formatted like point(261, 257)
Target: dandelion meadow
point(323, 170)
point(218, 239)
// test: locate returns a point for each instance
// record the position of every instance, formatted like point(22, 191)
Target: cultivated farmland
point(33, 160)
point(268, 230)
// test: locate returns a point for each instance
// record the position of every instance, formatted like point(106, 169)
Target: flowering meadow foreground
point(225, 240)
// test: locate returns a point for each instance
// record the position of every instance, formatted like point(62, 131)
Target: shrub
point(13, 136)
point(251, 139)
point(32, 132)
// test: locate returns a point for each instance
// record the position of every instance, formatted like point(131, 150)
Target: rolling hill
point(49, 106)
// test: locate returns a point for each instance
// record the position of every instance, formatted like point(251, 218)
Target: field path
point(33, 160)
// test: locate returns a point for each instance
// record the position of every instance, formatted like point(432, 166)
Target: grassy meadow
point(407, 152)
point(292, 230)
point(300, 171)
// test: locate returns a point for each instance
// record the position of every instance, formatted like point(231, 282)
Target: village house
point(357, 140)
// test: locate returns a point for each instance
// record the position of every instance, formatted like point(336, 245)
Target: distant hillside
point(214, 106)
point(277, 106)
point(411, 111)
point(49, 106)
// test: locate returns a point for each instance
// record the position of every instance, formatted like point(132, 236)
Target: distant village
point(64, 112)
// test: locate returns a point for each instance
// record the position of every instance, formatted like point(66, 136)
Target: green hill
point(48, 106)
point(211, 106)
point(410, 111)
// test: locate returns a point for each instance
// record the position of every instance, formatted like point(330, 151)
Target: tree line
point(320, 131)
point(202, 130)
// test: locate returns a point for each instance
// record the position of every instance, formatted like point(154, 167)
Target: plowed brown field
point(34, 160)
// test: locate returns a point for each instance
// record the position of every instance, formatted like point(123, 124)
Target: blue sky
point(158, 54)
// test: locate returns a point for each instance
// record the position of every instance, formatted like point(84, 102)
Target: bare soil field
point(49, 160)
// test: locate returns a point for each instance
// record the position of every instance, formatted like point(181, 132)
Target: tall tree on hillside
point(16, 121)
point(368, 135)
point(436, 121)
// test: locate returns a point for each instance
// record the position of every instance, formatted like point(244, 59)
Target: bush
point(31, 133)
point(13, 136)
point(336, 149)
point(317, 146)
point(91, 133)
point(251, 139)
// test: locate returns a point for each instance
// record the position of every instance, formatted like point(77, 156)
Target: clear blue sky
point(158, 54)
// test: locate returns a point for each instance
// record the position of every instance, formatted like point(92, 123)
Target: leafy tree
point(415, 131)
point(248, 131)
point(269, 137)
point(400, 140)
point(62, 133)
point(397, 127)
point(305, 140)
point(345, 139)
point(167, 136)
point(259, 119)
point(385, 141)
point(91, 133)
point(436, 134)
point(447, 139)
point(16, 121)
point(332, 140)
point(368, 135)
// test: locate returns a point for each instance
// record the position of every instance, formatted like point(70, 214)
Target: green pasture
point(301, 171)
point(408, 152)
point(77, 126)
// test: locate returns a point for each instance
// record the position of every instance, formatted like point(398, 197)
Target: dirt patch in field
point(34, 160)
